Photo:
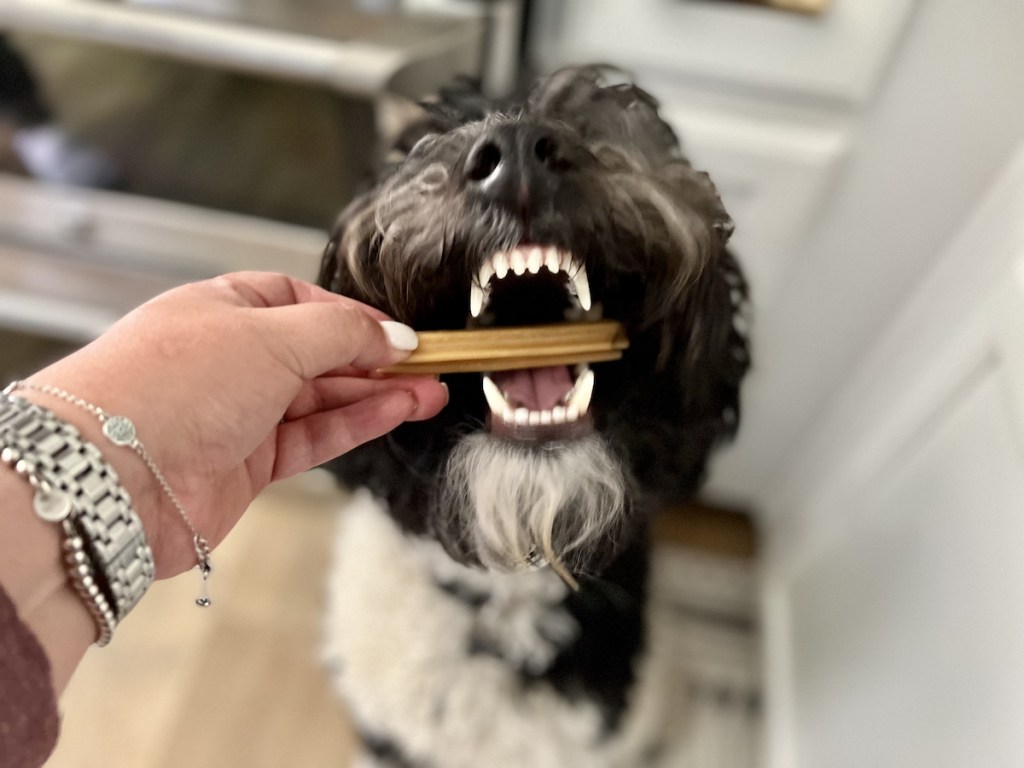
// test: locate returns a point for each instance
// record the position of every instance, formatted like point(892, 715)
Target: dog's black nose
point(517, 164)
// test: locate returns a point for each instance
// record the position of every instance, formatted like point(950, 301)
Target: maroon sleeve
point(28, 705)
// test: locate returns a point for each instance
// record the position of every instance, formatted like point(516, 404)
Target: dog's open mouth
point(528, 285)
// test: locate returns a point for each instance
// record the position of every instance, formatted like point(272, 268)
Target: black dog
point(489, 604)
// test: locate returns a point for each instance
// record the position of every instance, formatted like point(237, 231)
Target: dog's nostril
point(484, 162)
point(545, 149)
point(549, 154)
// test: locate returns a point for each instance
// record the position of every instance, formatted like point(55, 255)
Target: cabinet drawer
point(837, 55)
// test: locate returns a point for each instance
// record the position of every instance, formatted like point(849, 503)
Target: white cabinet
point(772, 175)
point(836, 56)
point(894, 581)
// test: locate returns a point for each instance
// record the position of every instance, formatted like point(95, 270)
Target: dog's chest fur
point(443, 666)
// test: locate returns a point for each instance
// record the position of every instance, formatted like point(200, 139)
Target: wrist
point(75, 489)
point(34, 576)
point(133, 475)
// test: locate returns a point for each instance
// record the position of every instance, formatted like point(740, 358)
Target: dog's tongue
point(539, 389)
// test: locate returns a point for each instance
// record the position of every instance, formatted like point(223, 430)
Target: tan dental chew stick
point(502, 349)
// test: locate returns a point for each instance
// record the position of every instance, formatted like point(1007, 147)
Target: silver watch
point(108, 557)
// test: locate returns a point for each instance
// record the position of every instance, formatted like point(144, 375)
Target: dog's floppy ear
point(714, 352)
point(343, 273)
point(692, 403)
point(709, 357)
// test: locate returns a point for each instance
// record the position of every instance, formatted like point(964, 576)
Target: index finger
point(273, 289)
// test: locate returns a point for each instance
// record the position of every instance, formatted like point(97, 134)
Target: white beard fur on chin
point(516, 504)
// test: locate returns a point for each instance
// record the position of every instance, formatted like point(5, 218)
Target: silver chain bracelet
point(120, 430)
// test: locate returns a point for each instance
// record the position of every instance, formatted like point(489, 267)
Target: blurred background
point(858, 546)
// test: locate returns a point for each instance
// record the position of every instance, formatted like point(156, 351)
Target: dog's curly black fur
point(602, 176)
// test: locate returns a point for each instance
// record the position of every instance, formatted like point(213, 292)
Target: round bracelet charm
point(52, 506)
point(119, 430)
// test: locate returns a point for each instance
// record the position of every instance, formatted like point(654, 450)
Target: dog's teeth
point(551, 260)
point(500, 261)
point(582, 286)
point(508, 416)
point(486, 273)
point(522, 416)
point(558, 414)
point(571, 413)
point(582, 391)
point(495, 400)
point(476, 299)
point(517, 261)
point(534, 418)
point(545, 417)
point(535, 260)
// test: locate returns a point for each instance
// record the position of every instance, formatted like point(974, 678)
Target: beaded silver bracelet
point(47, 451)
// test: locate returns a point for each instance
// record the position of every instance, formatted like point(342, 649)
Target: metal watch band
point(100, 510)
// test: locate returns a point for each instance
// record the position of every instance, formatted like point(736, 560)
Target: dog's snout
point(516, 164)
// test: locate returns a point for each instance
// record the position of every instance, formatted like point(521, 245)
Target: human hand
point(234, 383)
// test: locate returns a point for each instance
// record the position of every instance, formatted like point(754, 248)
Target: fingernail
point(400, 336)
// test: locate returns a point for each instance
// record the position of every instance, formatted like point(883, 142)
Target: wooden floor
point(238, 684)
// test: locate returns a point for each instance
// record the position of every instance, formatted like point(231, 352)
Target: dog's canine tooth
point(500, 262)
point(582, 391)
point(495, 400)
point(486, 273)
point(551, 260)
point(476, 299)
point(582, 286)
point(535, 260)
point(517, 260)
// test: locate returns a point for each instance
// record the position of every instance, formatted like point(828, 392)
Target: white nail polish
point(400, 336)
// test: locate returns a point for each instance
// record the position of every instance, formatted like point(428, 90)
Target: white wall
point(940, 128)
point(892, 614)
